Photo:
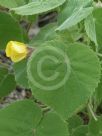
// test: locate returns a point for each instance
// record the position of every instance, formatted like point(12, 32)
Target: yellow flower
point(16, 51)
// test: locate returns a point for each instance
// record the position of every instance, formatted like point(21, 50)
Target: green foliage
point(90, 28)
point(38, 6)
point(12, 3)
point(74, 122)
point(95, 127)
point(26, 121)
point(81, 131)
point(76, 17)
point(21, 73)
point(9, 29)
point(78, 83)
point(52, 125)
point(98, 24)
point(7, 82)
point(8, 4)
point(62, 70)
point(30, 121)
point(74, 12)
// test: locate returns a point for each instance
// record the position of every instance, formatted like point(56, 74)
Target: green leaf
point(8, 4)
point(76, 17)
point(98, 24)
point(90, 28)
point(20, 70)
point(38, 6)
point(70, 7)
point(83, 73)
point(74, 122)
point(81, 131)
point(24, 118)
point(7, 82)
point(19, 119)
point(52, 125)
point(12, 3)
point(9, 30)
point(95, 127)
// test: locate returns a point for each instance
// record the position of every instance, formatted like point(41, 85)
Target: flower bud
point(16, 51)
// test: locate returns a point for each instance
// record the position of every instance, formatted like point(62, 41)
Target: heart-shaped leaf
point(47, 67)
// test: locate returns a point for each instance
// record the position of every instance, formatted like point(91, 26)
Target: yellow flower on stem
point(16, 51)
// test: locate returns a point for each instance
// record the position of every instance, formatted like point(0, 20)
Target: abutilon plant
point(60, 67)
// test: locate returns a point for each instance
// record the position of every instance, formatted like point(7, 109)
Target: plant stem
point(92, 113)
point(99, 54)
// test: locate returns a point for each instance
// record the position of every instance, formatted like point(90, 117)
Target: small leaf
point(70, 7)
point(9, 30)
point(38, 6)
point(52, 125)
point(90, 28)
point(20, 70)
point(97, 14)
point(76, 17)
point(19, 119)
point(7, 82)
